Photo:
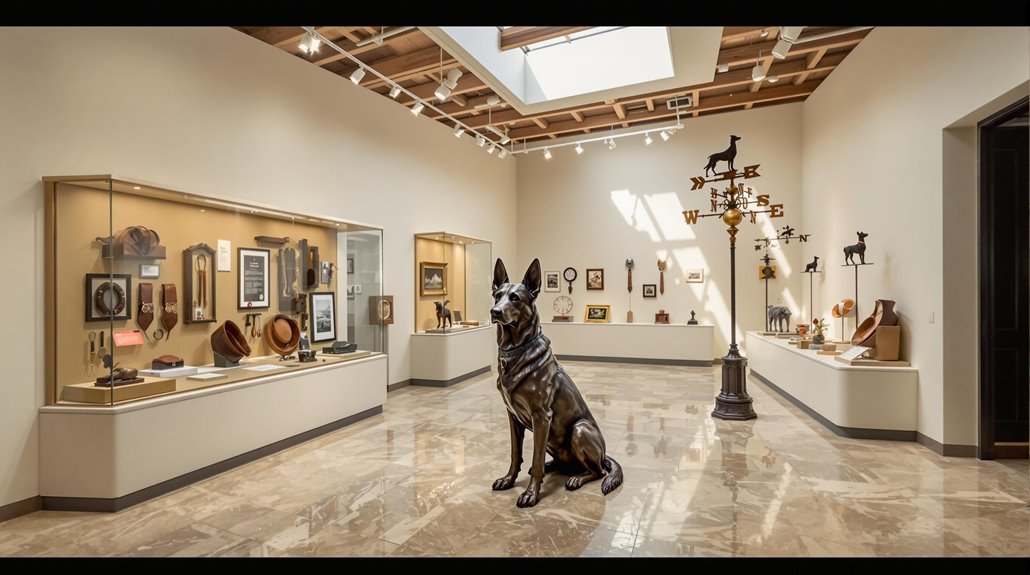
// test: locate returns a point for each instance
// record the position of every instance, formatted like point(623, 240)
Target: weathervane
point(732, 205)
point(784, 235)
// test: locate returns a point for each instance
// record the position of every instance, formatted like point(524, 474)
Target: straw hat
point(843, 308)
point(282, 334)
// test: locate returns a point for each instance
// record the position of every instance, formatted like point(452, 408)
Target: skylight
point(597, 60)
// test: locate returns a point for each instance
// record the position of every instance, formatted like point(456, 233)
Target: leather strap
point(100, 297)
point(146, 306)
point(169, 307)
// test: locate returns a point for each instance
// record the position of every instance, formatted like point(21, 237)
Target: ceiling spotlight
point(758, 72)
point(611, 143)
point(395, 91)
point(503, 135)
point(647, 138)
point(579, 148)
point(779, 51)
point(310, 43)
point(480, 141)
point(357, 75)
point(723, 68)
point(502, 153)
point(417, 108)
point(788, 36)
point(442, 92)
point(492, 148)
point(458, 132)
point(547, 153)
point(451, 81)
point(665, 134)
point(773, 79)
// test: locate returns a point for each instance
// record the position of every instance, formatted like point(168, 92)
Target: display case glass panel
point(166, 291)
point(456, 269)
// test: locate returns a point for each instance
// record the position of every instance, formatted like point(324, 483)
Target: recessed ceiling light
point(135, 187)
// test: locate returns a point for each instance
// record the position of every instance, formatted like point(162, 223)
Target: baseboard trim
point(448, 382)
point(19, 508)
point(640, 360)
point(849, 432)
point(110, 505)
point(947, 450)
point(398, 385)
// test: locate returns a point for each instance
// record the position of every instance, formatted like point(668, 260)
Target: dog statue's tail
point(613, 478)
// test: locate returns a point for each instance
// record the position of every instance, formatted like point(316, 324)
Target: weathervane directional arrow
point(749, 172)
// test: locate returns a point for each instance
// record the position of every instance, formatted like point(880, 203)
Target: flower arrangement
point(819, 327)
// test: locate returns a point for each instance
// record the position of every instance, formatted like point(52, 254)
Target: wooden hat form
point(883, 314)
point(282, 334)
point(843, 308)
point(229, 342)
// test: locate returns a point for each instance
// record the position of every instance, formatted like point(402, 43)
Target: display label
point(253, 279)
point(224, 263)
point(128, 337)
point(854, 353)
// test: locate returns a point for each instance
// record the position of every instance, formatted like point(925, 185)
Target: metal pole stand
point(856, 297)
point(733, 402)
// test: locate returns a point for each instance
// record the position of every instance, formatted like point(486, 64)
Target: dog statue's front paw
point(527, 499)
point(506, 482)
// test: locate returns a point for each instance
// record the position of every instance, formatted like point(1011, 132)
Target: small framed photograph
point(650, 290)
point(106, 298)
point(253, 278)
point(551, 282)
point(694, 276)
point(350, 265)
point(323, 316)
point(595, 279)
point(765, 271)
point(149, 271)
point(326, 272)
point(597, 314)
point(432, 278)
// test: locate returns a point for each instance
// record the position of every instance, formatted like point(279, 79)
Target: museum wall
point(597, 209)
point(874, 143)
point(214, 111)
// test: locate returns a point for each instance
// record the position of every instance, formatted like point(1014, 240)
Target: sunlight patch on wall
point(667, 212)
point(634, 213)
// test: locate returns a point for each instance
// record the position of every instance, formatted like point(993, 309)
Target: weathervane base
point(733, 402)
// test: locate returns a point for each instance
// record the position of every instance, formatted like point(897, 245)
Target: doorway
point(1004, 284)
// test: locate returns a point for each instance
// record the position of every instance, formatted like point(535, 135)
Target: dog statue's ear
point(500, 274)
point(532, 278)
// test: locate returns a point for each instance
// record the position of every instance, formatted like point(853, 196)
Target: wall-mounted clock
point(570, 276)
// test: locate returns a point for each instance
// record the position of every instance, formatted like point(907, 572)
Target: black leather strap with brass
point(169, 306)
point(145, 317)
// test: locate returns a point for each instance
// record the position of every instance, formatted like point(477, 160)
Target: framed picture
point(380, 310)
point(198, 283)
point(694, 276)
point(767, 269)
point(104, 297)
point(323, 316)
point(350, 265)
point(253, 279)
point(326, 272)
point(432, 278)
point(595, 278)
point(650, 290)
point(597, 314)
point(350, 292)
point(149, 271)
point(551, 282)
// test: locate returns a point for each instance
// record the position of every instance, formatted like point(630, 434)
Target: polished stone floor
point(416, 481)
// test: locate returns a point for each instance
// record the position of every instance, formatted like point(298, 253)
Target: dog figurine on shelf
point(541, 397)
point(726, 155)
point(859, 248)
point(443, 315)
point(814, 266)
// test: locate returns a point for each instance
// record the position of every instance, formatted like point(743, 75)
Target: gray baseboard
point(19, 508)
point(448, 382)
point(100, 504)
point(398, 385)
point(641, 360)
point(850, 432)
point(947, 450)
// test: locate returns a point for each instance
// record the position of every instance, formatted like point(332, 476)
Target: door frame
point(985, 448)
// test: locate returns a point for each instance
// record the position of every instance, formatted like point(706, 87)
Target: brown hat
point(843, 308)
point(282, 334)
point(229, 342)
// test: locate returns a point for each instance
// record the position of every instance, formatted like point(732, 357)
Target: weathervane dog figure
point(726, 155)
point(541, 397)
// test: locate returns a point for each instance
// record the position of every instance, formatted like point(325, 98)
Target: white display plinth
point(108, 458)
point(870, 402)
point(444, 359)
point(663, 344)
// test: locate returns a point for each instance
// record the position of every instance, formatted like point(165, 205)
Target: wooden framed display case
point(464, 265)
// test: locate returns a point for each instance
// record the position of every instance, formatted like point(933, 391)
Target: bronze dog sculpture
point(541, 397)
point(443, 315)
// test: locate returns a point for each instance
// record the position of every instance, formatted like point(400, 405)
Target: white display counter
point(444, 359)
point(867, 402)
point(109, 458)
point(662, 344)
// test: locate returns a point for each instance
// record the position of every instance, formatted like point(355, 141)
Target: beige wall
point(874, 139)
point(597, 209)
point(212, 110)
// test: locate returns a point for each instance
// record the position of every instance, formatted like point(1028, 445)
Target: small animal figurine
point(813, 267)
point(779, 318)
point(859, 248)
point(726, 155)
point(691, 321)
point(443, 315)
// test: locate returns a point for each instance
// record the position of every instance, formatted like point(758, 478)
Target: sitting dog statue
point(779, 318)
point(443, 315)
point(541, 397)
point(814, 266)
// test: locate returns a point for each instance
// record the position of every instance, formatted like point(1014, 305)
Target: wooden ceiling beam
point(407, 64)
point(749, 52)
point(620, 111)
point(519, 36)
point(711, 103)
point(650, 104)
point(355, 50)
point(577, 116)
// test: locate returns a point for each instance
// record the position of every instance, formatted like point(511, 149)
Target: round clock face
point(570, 274)
point(563, 304)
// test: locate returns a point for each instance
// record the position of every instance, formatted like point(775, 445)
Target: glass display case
point(455, 269)
point(152, 291)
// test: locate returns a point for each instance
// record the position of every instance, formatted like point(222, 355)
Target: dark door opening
point(1005, 284)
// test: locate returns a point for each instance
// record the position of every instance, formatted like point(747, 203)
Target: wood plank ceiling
point(414, 61)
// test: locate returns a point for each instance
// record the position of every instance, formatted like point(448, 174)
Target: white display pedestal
point(860, 401)
point(444, 359)
point(109, 458)
point(661, 344)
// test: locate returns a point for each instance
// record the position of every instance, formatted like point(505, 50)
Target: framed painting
point(432, 278)
point(597, 314)
point(595, 279)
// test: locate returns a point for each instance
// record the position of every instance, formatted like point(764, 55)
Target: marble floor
point(416, 481)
